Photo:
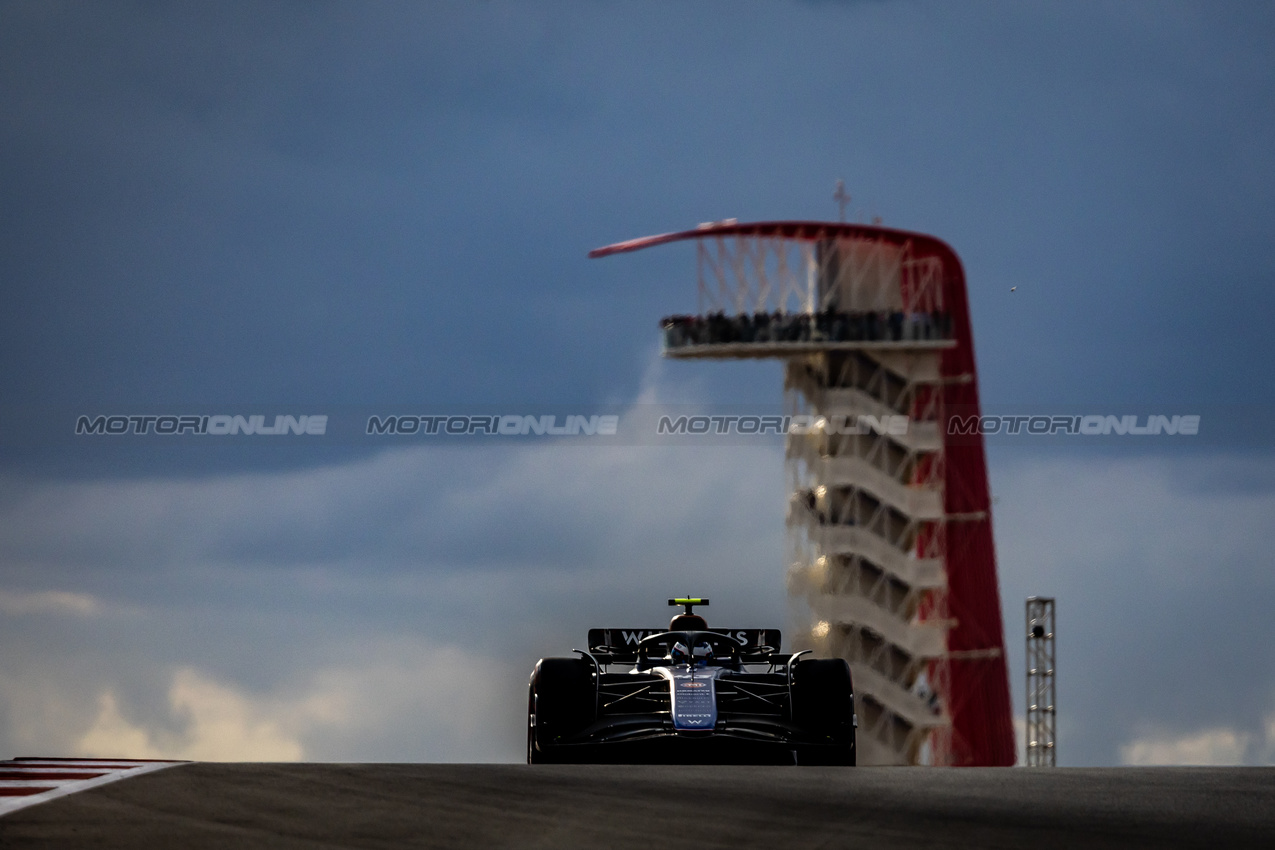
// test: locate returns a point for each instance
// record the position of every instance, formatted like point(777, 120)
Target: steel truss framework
point(867, 541)
point(889, 533)
point(1041, 694)
point(757, 274)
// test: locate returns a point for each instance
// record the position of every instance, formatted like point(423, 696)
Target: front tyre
point(561, 702)
point(823, 706)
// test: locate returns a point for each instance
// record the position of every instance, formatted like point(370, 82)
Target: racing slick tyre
point(560, 702)
point(823, 706)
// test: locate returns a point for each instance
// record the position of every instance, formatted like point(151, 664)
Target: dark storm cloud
point(407, 510)
point(304, 202)
point(207, 204)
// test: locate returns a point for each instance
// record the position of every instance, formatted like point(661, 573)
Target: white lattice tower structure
point(866, 543)
point(866, 510)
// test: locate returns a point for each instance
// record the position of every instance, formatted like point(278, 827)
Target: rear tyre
point(560, 703)
point(823, 706)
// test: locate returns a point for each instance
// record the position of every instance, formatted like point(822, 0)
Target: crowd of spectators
point(827, 326)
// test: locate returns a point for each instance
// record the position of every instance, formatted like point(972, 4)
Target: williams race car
point(690, 694)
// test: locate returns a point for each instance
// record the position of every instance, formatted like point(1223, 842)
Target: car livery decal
point(693, 696)
point(618, 641)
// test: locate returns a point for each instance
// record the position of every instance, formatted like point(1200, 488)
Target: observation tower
point(889, 519)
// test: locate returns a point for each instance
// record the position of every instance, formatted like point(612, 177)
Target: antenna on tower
point(841, 197)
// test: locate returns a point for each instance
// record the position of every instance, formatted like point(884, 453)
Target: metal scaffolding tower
point(1041, 702)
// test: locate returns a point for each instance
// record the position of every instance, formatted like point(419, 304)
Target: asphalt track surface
point(431, 805)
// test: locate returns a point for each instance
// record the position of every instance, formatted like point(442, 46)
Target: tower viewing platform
point(889, 527)
point(779, 334)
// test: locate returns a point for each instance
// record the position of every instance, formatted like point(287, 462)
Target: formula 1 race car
point(690, 694)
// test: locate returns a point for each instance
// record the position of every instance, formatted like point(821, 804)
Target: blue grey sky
point(325, 207)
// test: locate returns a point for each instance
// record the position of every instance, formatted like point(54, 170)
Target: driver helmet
point(679, 654)
point(703, 653)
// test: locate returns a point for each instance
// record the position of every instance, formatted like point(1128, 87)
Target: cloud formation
point(1220, 746)
point(56, 602)
point(218, 724)
point(464, 566)
point(438, 579)
point(441, 694)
